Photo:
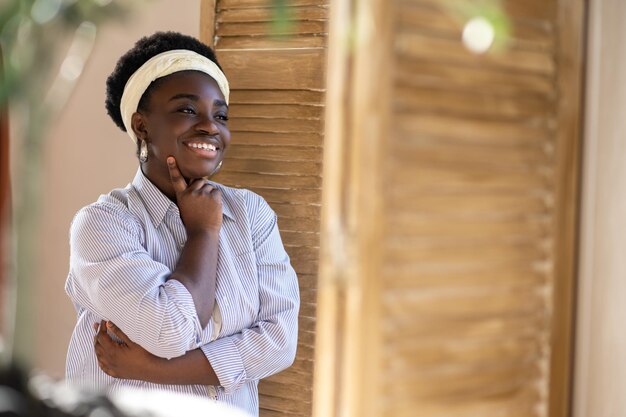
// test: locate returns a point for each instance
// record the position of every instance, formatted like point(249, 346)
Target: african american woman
point(179, 283)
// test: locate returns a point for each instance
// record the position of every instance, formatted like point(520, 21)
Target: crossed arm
point(128, 360)
point(262, 349)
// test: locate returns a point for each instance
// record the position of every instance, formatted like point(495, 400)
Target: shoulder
point(252, 203)
point(110, 210)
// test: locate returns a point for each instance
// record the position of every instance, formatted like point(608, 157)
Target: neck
point(162, 182)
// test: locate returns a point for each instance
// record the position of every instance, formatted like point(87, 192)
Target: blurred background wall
point(87, 155)
point(601, 340)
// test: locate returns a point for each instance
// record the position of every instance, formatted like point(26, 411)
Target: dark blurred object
point(40, 396)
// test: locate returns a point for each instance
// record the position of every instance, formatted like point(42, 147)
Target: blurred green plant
point(281, 21)
point(45, 45)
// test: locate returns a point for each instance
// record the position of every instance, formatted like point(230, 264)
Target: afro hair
point(131, 61)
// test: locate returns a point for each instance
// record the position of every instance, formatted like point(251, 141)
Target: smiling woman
point(179, 283)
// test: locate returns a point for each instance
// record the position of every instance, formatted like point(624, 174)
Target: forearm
point(193, 368)
point(196, 270)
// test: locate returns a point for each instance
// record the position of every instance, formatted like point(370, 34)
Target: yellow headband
point(158, 66)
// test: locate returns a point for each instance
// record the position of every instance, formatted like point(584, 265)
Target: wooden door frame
point(571, 52)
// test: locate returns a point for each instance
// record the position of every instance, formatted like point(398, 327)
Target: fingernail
point(109, 324)
point(170, 160)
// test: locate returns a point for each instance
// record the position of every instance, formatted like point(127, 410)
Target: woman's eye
point(222, 117)
point(187, 110)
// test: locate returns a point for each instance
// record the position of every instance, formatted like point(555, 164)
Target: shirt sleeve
point(269, 345)
point(112, 275)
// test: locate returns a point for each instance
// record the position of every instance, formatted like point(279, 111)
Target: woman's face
point(187, 119)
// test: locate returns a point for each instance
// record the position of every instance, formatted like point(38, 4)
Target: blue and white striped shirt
point(124, 247)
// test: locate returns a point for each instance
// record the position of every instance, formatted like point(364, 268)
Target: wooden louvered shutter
point(276, 120)
point(449, 204)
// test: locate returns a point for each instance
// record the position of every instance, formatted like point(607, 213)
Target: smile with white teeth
point(205, 146)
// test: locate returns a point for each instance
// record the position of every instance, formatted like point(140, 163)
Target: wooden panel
point(276, 112)
point(447, 241)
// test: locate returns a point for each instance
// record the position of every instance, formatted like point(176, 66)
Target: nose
point(207, 125)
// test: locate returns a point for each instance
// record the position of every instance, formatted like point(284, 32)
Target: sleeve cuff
point(226, 362)
point(181, 297)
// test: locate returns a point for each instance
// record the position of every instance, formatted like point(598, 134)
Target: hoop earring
point(143, 151)
point(217, 168)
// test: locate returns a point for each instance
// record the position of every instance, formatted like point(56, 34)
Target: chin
point(193, 173)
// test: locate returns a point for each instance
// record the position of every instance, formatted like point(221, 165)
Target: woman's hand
point(200, 204)
point(124, 359)
point(128, 360)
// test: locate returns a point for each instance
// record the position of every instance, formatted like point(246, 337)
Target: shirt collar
point(157, 204)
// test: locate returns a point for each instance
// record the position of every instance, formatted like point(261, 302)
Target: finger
point(99, 333)
point(95, 326)
point(104, 338)
point(216, 195)
point(178, 182)
point(119, 333)
point(197, 184)
point(99, 351)
point(104, 368)
point(102, 331)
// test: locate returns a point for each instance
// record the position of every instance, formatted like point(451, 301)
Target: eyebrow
point(194, 97)
point(184, 95)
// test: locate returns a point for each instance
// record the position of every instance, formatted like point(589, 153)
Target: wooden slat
point(282, 110)
point(260, 96)
point(289, 196)
point(275, 153)
point(487, 132)
point(470, 352)
point(469, 178)
point(507, 204)
point(446, 330)
point(272, 42)
point(291, 238)
point(269, 166)
point(243, 4)
point(286, 405)
point(492, 80)
point(406, 277)
point(473, 104)
point(538, 11)
point(276, 181)
point(283, 69)
point(418, 46)
point(279, 125)
point(302, 27)
point(277, 138)
point(436, 151)
point(265, 14)
point(492, 228)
